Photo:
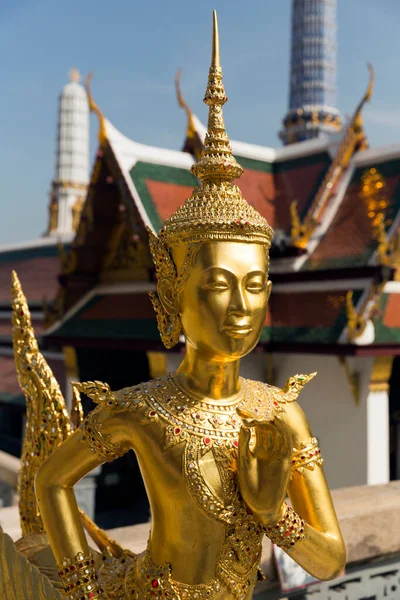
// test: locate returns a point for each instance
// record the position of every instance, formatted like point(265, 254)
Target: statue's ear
point(167, 296)
point(269, 289)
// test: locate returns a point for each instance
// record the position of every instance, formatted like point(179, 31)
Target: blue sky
point(135, 49)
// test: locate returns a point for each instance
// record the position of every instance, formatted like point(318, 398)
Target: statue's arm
point(72, 460)
point(322, 553)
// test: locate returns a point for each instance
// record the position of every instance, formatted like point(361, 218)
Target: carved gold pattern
point(288, 531)
point(216, 210)
point(202, 428)
point(381, 373)
point(47, 419)
point(79, 578)
point(307, 456)
point(353, 379)
point(169, 325)
point(100, 444)
point(102, 135)
point(66, 183)
point(357, 319)
point(351, 140)
point(19, 578)
point(191, 131)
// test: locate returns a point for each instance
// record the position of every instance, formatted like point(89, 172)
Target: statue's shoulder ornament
point(133, 398)
point(263, 401)
point(95, 436)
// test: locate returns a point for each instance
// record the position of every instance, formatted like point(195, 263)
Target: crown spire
point(216, 161)
point(216, 209)
point(215, 61)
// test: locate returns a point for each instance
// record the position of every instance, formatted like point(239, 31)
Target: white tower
point(71, 176)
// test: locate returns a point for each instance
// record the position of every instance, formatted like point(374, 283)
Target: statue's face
point(224, 301)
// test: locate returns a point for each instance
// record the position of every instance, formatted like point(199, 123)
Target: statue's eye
point(217, 286)
point(255, 286)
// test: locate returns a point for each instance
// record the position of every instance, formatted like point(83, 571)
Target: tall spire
point(71, 175)
point(312, 72)
point(216, 209)
point(216, 161)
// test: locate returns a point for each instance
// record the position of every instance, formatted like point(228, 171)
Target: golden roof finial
point(216, 210)
point(94, 108)
point(74, 75)
point(367, 96)
point(191, 128)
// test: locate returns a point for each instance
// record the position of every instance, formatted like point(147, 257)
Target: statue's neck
point(203, 377)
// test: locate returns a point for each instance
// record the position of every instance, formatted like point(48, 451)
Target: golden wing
point(19, 580)
point(48, 424)
point(47, 420)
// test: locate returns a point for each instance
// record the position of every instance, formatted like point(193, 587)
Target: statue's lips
point(238, 330)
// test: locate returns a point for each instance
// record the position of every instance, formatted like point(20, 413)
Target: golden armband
point(99, 443)
point(307, 456)
point(79, 578)
point(288, 530)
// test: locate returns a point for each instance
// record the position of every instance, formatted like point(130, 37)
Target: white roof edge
point(36, 243)
point(377, 155)
point(269, 154)
point(129, 152)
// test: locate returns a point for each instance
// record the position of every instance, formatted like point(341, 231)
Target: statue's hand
point(265, 458)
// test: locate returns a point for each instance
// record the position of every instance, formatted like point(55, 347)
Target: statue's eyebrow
point(217, 270)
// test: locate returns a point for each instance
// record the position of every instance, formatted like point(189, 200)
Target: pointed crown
point(216, 210)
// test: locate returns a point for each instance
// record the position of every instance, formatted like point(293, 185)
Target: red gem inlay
point(207, 441)
point(177, 430)
point(155, 583)
point(236, 443)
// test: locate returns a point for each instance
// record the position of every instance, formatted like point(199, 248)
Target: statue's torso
point(188, 455)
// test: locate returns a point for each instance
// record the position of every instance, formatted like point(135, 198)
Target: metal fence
point(379, 580)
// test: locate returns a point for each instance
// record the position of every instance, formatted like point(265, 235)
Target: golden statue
point(218, 453)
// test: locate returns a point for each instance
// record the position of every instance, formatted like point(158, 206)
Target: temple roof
point(134, 185)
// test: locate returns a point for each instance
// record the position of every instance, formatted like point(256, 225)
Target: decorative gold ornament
point(168, 322)
point(79, 578)
point(207, 440)
point(352, 140)
point(47, 419)
point(102, 135)
point(357, 319)
point(216, 210)
point(353, 379)
point(381, 373)
point(191, 132)
point(19, 579)
point(288, 530)
point(295, 384)
point(307, 456)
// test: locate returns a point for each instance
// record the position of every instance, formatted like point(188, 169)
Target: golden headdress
point(216, 210)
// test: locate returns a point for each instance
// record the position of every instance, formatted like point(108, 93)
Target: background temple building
point(334, 204)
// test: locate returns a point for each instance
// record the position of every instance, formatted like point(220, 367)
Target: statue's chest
point(200, 440)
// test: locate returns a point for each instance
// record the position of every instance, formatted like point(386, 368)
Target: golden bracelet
point(79, 578)
point(307, 456)
point(288, 530)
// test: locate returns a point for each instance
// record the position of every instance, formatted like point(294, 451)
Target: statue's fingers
point(245, 453)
